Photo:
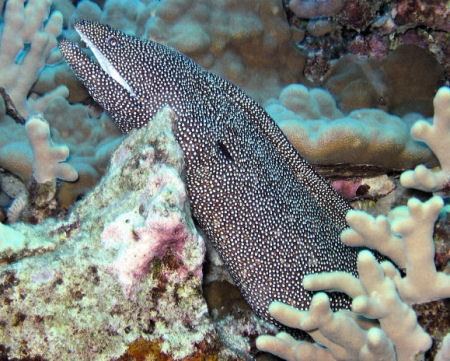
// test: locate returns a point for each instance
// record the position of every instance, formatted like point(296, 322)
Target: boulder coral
point(244, 41)
point(248, 42)
point(324, 135)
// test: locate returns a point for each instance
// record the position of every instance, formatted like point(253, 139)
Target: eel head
point(123, 75)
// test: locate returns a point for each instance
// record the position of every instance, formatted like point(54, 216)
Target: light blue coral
point(49, 160)
point(28, 25)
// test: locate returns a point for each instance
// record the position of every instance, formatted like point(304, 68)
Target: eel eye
point(112, 41)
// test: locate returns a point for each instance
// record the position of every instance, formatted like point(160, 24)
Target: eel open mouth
point(82, 64)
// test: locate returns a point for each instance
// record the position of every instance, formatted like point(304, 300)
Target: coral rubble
point(65, 292)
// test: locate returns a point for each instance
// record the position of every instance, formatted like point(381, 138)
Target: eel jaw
point(106, 91)
point(79, 61)
point(102, 59)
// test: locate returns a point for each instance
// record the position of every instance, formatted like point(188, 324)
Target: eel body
point(271, 218)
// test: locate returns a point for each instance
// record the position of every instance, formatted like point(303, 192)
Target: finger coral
point(89, 140)
point(48, 159)
point(380, 293)
point(436, 136)
point(25, 47)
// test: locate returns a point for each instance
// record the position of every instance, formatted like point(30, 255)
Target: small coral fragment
point(48, 158)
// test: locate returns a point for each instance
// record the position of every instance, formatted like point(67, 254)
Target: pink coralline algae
point(348, 188)
point(139, 240)
point(369, 29)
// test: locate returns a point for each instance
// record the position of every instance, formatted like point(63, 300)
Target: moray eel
point(270, 216)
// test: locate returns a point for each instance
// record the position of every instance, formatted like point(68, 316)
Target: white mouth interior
point(105, 64)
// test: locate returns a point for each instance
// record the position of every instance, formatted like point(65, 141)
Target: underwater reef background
point(345, 81)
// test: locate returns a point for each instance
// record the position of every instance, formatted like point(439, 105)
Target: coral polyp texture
point(244, 41)
point(123, 271)
point(323, 134)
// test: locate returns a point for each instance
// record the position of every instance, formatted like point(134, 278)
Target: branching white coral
point(47, 157)
point(379, 293)
point(406, 237)
point(437, 137)
point(19, 69)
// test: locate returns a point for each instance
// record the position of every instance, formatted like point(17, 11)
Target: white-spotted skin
point(269, 215)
